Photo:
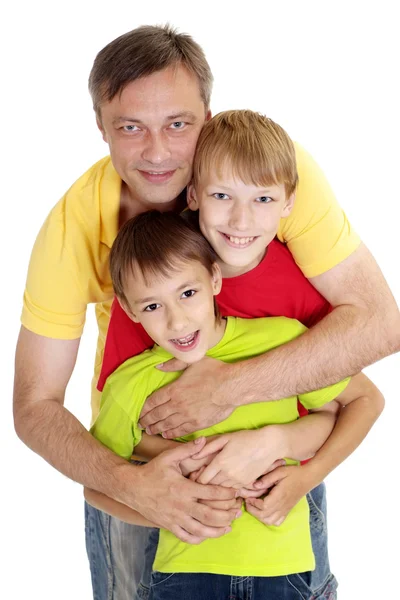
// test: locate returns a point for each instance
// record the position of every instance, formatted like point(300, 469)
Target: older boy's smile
point(238, 242)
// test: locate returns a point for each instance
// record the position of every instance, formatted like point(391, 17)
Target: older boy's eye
point(188, 293)
point(264, 199)
point(151, 307)
point(220, 196)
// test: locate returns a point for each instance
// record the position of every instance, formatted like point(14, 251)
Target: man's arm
point(42, 371)
point(363, 327)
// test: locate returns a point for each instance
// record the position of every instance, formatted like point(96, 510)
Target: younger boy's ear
point(191, 197)
point(216, 279)
point(288, 205)
point(126, 308)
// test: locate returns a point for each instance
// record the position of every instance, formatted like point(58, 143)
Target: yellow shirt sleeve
point(318, 398)
point(317, 231)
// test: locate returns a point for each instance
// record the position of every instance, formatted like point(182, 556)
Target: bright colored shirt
point(69, 263)
point(276, 287)
point(251, 548)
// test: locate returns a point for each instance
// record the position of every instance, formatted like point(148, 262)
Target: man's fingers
point(183, 429)
point(158, 398)
point(172, 365)
point(213, 492)
point(235, 503)
point(214, 517)
point(249, 493)
point(166, 424)
point(210, 473)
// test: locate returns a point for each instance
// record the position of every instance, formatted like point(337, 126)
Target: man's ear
point(208, 115)
point(127, 309)
point(288, 205)
point(101, 128)
point(216, 279)
point(191, 197)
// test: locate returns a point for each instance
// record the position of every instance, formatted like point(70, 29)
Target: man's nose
point(156, 150)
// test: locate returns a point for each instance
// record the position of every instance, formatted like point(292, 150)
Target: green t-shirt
point(251, 548)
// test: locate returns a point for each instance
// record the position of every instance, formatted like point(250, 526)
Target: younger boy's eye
point(220, 196)
point(188, 293)
point(264, 199)
point(151, 307)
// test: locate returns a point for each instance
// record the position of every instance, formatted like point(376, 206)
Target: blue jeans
point(121, 555)
point(204, 586)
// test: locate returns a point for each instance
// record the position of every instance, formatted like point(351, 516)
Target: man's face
point(239, 220)
point(177, 311)
point(152, 129)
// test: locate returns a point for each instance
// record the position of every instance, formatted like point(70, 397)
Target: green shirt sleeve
point(320, 397)
point(114, 428)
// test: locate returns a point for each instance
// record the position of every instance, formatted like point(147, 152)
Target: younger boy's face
point(177, 311)
point(239, 220)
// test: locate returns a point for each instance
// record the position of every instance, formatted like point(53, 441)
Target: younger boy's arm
point(361, 404)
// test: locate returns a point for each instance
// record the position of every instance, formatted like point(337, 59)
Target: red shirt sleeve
point(124, 340)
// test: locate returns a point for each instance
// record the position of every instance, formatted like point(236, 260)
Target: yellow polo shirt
point(69, 263)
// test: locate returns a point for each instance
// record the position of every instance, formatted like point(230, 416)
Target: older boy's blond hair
point(252, 147)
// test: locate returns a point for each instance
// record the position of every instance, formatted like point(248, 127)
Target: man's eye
point(130, 128)
point(188, 293)
point(178, 125)
point(264, 199)
point(220, 196)
point(151, 307)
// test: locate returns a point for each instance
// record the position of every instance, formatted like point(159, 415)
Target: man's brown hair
point(251, 146)
point(157, 244)
point(144, 51)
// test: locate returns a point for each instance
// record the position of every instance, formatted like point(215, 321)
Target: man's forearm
point(51, 431)
point(116, 509)
point(342, 344)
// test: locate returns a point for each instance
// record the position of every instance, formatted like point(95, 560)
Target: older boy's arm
point(361, 404)
point(116, 509)
point(363, 327)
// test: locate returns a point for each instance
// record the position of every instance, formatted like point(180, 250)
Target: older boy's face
point(152, 129)
point(238, 219)
point(177, 311)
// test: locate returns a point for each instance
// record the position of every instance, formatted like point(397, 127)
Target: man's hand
point(201, 397)
point(290, 485)
point(241, 456)
point(171, 501)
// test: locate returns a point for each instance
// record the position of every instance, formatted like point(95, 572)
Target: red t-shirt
point(276, 287)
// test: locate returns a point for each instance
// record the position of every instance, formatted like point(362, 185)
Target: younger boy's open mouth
point(184, 344)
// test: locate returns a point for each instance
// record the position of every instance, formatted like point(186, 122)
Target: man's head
point(151, 91)
point(165, 277)
point(244, 181)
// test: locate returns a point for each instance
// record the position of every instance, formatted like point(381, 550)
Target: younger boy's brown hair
point(157, 244)
point(251, 146)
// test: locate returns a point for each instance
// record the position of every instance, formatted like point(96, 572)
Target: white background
point(328, 72)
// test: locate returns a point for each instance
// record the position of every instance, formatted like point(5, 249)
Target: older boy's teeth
point(240, 241)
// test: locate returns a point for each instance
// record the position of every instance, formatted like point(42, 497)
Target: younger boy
point(170, 290)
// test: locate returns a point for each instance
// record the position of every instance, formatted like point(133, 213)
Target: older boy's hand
point(201, 397)
point(290, 484)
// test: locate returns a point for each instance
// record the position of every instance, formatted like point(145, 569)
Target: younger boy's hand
point(289, 485)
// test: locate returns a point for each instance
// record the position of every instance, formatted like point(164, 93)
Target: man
point(151, 91)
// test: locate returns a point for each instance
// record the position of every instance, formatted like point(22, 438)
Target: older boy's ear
point(101, 129)
point(191, 197)
point(289, 205)
point(127, 309)
point(216, 279)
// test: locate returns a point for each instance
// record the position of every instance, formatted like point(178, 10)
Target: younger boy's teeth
point(185, 341)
